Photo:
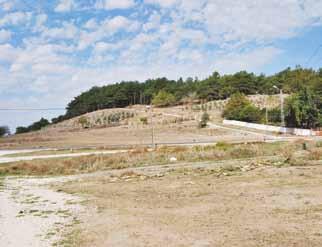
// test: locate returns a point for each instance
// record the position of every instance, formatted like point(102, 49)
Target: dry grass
point(143, 157)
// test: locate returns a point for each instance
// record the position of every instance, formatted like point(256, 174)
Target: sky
point(52, 50)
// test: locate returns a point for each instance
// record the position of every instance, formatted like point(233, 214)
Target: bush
point(274, 115)
point(163, 98)
point(144, 120)
point(83, 121)
point(241, 109)
point(251, 113)
point(204, 120)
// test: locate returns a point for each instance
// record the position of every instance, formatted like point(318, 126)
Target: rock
point(114, 179)
point(159, 175)
point(189, 183)
point(173, 159)
point(143, 177)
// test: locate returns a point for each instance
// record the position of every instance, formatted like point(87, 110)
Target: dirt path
point(24, 158)
point(31, 214)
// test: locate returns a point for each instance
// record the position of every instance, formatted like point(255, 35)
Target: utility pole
point(282, 105)
point(282, 108)
point(152, 127)
point(266, 111)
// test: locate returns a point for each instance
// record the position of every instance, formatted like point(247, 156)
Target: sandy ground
point(31, 214)
point(194, 206)
point(188, 204)
point(122, 136)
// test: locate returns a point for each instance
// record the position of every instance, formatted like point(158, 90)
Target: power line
point(313, 55)
point(32, 109)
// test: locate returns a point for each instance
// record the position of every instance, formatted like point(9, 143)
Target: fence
point(293, 131)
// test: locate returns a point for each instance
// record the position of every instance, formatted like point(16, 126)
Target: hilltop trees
point(4, 130)
point(33, 127)
point(214, 87)
point(163, 92)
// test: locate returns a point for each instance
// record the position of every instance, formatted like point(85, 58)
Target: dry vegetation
point(289, 153)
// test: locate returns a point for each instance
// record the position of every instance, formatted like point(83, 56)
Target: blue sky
point(50, 51)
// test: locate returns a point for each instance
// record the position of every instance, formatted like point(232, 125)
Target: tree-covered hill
point(214, 87)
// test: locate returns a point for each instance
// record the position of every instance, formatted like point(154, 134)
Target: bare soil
point(171, 125)
point(200, 205)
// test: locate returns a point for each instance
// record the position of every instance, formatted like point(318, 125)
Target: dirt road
point(24, 158)
point(32, 214)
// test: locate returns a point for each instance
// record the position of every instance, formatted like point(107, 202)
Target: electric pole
point(282, 105)
point(152, 127)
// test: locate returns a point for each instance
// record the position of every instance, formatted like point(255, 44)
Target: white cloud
point(104, 46)
point(106, 28)
point(15, 18)
point(40, 21)
point(153, 22)
point(91, 24)
point(66, 31)
point(65, 5)
point(162, 3)
point(172, 38)
point(5, 35)
point(7, 5)
point(114, 4)
point(119, 22)
point(8, 53)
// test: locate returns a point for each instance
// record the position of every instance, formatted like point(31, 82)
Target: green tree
point(302, 110)
point(240, 108)
point(4, 130)
point(214, 87)
point(163, 98)
point(33, 127)
point(21, 130)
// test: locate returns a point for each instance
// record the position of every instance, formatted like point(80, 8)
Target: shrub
point(223, 145)
point(274, 115)
point(204, 120)
point(83, 121)
point(144, 120)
